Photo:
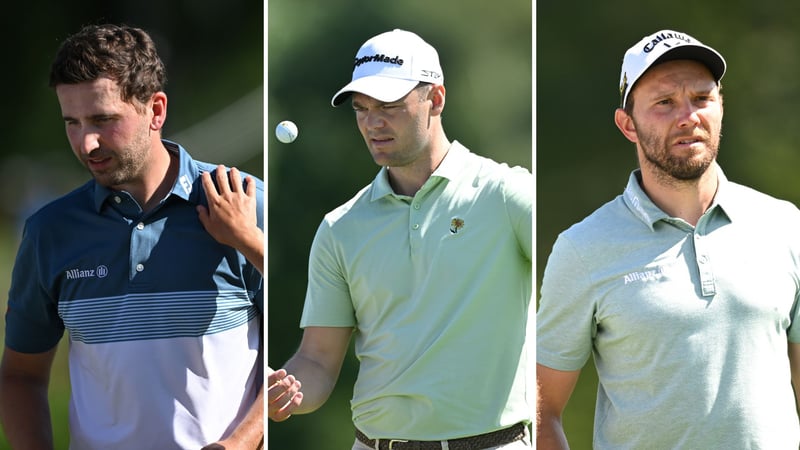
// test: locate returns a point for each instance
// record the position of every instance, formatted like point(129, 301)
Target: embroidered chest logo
point(653, 274)
point(100, 271)
point(456, 225)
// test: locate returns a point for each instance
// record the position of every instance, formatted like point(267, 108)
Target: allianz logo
point(100, 271)
point(654, 274)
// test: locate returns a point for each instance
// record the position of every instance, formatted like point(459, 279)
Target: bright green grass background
point(59, 381)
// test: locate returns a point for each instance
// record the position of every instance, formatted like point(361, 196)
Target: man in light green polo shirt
point(684, 288)
point(428, 268)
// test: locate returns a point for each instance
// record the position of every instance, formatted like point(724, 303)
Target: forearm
point(253, 249)
point(317, 383)
point(796, 388)
point(550, 435)
point(554, 387)
point(249, 433)
point(25, 414)
point(794, 366)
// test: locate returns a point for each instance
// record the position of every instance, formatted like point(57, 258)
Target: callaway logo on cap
point(665, 45)
point(388, 66)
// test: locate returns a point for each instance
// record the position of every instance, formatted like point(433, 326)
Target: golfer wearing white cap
point(684, 288)
point(428, 268)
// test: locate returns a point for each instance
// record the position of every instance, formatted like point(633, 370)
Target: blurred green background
point(486, 52)
point(583, 161)
point(214, 56)
point(214, 53)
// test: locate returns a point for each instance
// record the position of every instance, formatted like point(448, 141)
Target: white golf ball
point(286, 131)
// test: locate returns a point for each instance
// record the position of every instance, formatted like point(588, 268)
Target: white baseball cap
point(388, 66)
point(665, 45)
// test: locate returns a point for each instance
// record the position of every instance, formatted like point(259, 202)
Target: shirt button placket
point(414, 217)
point(136, 240)
point(703, 261)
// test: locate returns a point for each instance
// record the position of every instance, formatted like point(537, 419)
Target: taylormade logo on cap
point(388, 66)
point(665, 45)
point(378, 58)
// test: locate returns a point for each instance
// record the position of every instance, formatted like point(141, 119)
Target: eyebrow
point(93, 116)
point(378, 103)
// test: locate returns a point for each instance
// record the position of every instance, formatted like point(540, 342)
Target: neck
point(157, 177)
point(407, 180)
point(684, 199)
point(166, 184)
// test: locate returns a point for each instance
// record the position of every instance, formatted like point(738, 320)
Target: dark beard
point(678, 168)
point(669, 167)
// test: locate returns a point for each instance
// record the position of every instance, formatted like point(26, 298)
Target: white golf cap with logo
point(388, 66)
point(665, 45)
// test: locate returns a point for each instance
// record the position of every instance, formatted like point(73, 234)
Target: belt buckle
point(395, 441)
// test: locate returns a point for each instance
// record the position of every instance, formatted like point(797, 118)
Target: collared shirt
point(163, 321)
point(438, 287)
point(688, 325)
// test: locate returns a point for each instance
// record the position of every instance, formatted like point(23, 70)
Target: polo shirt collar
point(727, 201)
point(451, 166)
point(646, 211)
point(186, 185)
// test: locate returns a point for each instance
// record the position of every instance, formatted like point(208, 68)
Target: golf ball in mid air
point(286, 131)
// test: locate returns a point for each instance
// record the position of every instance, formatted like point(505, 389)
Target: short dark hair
point(124, 54)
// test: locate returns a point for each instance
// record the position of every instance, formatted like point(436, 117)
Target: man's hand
point(231, 213)
point(225, 445)
point(283, 395)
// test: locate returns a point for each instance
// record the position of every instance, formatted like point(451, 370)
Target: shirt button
point(416, 226)
point(416, 205)
point(140, 226)
point(117, 199)
point(139, 267)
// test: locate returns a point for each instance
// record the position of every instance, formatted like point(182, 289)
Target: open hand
point(283, 395)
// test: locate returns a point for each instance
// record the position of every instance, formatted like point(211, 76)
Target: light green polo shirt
point(688, 325)
point(438, 287)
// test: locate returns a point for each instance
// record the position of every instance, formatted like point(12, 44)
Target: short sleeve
point(32, 321)
point(565, 318)
point(518, 193)
point(328, 301)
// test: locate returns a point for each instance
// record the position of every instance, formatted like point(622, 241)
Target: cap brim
point(702, 54)
point(384, 89)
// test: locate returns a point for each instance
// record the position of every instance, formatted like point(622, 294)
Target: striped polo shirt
point(164, 322)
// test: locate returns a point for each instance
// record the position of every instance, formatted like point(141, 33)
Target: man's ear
point(437, 98)
point(159, 110)
point(625, 124)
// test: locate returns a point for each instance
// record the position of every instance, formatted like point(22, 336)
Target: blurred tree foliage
point(214, 53)
point(486, 53)
point(583, 161)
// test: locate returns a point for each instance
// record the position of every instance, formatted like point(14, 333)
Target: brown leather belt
point(481, 441)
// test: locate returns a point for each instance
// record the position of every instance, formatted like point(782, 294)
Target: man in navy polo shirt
point(154, 267)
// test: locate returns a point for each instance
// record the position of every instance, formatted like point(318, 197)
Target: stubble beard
point(128, 168)
point(671, 168)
